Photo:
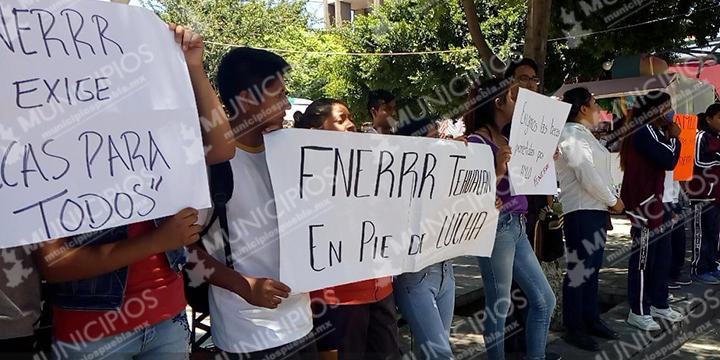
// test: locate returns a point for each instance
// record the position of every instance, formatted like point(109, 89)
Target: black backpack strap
point(221, 189)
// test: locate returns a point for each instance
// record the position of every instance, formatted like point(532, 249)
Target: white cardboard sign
point(362, 206)
point(98, 126)
point(536, 127)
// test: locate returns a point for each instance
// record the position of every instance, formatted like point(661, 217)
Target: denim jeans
point(426, 299)
point(513, 258)
point(167, 340)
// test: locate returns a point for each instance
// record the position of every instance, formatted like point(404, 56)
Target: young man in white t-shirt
point(253, 315)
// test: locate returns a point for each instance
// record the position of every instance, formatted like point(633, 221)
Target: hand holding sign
point(536, 126)
point(502, 157)
point(191, 42)
point(267, 293)
point(179, 230)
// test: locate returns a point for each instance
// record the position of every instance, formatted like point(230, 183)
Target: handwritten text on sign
point(375, 205)
point(99, 126)
point(536, 126)
point(688, 125)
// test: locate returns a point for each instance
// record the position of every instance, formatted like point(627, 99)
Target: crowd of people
point(120, 293)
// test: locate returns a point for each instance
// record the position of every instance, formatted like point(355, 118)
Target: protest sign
point(99, 126)
point(688, 129)
point(536, 127)
point(358, 206)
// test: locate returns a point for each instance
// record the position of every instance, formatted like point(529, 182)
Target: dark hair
point(315, 114)
point(711, 111)
point(245, 68)
point(481, 104)
point(377, 97)
point(647, 109)
point(577, 97)
point(416, 127)
point(510, 71)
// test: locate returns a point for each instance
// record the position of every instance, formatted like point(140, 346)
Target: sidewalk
point(700, 302)
point(695, 338)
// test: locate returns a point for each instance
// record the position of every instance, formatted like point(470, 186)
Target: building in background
point(339, 12)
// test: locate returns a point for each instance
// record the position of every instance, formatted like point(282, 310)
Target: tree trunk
point(493, 63)
point(536, 33)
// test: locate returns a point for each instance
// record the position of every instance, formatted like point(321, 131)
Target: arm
point(60, 263)
point(580, 160)
point(213, 120)
point(263, 292)
point(704, 156)
point(653, 145)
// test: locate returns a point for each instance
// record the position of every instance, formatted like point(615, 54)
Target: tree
point(536, 33)
point(410, 26)
point(270, 24)
point(486, 53)
point(618, 28)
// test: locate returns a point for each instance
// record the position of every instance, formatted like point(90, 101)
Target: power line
point(632, 25)
point(350, 53)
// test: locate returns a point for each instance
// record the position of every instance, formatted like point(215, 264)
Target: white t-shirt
point(671, 193)
point(237, 326)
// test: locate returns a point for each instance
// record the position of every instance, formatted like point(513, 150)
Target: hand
point(462, 138)
point(502, 157)
point(498, 203)
point(267, 293)
point(556, 155)
point(178, 231)
point(673, 130)
point(618, 208)
point(192, 44)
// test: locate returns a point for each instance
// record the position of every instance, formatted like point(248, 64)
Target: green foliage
point(410, 26)
point(656, 35)
point(262, 23)
point(428, 25)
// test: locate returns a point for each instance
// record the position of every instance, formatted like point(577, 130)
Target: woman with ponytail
point(587, 196)
point(512, 256)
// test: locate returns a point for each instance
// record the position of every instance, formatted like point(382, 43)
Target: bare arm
point(263, 292)
point(213, 120)
point(59, 262)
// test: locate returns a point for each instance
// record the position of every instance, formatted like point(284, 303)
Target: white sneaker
point(642, 322)
point(668, 314)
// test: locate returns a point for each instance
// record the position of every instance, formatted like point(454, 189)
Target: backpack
point(221, 189)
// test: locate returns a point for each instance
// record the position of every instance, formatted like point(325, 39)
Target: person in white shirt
point(252, 314)
point(587, 196)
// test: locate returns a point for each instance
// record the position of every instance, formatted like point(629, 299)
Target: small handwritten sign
point(688, 130)
point(358, 206)
point(536, 127)
point(99, 126)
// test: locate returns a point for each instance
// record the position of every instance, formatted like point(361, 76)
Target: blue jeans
point(167, 340)
point(512, 257)
point(426, 299)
